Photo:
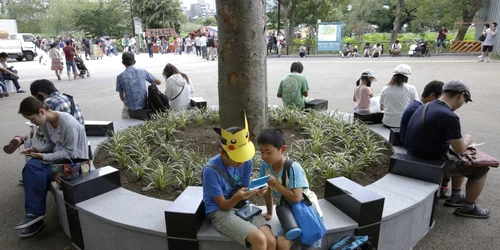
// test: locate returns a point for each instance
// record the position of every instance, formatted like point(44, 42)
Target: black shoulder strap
point(179, 93)
point(224, 175)
point(286, 171)
point(73, 108)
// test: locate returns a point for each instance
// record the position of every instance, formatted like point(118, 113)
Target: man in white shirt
point(203, 45)
point(197, 44)
point(189, 44)
point(133, 45)
point(9, 73)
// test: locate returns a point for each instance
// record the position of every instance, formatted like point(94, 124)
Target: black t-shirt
point(442, 125)
point(405, 118)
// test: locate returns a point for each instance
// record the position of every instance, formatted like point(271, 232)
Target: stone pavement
point(329, 78)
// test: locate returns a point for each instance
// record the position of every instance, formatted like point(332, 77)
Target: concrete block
point(334, 219)
point(184, 218)
point(394, 139)
point(317, 104)
point(369, 118)
point(123, 124)
point(124, 208)
point(99, 128)
point(362, 205)
point(141, 114)
point(10, 86)
point(394, 204)
point(424, 214)
point(417, 168)
point(396, 232)
point(61, 207)
point(100, 234)
point(90, 185)
point(414, 189)
point(198, 102)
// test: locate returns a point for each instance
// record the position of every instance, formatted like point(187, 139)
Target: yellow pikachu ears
point(236, 142)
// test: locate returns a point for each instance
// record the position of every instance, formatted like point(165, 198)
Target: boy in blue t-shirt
point(220, 197)
point(272, 147)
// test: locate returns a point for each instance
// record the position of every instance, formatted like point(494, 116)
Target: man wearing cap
point(225, 189)
point(432, 129)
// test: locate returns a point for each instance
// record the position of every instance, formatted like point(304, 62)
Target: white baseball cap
point(402, 69)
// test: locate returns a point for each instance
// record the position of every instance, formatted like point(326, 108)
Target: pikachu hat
point(236, 142)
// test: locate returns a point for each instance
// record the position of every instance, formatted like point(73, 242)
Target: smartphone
point(258, 183)
point(31, 125)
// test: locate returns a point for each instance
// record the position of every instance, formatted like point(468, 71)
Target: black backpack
point(157, 101)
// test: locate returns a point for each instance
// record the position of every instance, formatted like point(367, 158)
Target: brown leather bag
point(475, 158)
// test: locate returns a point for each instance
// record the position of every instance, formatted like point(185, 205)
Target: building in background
point(203, 9)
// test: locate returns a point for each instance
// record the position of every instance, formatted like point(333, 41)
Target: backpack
point(157, 101)
point(353, 243)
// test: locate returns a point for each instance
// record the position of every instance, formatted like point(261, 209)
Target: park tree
point(159, 13)
point(98, 19)
point(27, 13)
point(397, 20)
point(59, 19)
point(242, 63)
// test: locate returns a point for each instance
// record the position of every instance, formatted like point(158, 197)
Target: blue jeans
point(150, 50)
point(3, 88)
point(14, 80)
point(36, 179)
point(69, 65)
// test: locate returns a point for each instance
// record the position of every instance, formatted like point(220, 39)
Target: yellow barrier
point(465, 47)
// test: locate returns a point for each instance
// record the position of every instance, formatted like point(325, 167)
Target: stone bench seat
point(408, 210)
point(122, 219)
point(337, 225)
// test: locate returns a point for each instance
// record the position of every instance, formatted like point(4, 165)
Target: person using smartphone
point(225, 185)
point(490, 33)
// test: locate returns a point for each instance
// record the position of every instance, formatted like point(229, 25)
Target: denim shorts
point(441, 42)
point(316, 244)
point(69, 65)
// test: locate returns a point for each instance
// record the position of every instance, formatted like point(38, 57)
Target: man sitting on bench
point(430, 132)
point(293, 88)
point(131, 85)
point(432, 91)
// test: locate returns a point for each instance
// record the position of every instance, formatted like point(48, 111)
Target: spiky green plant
point(159, 176)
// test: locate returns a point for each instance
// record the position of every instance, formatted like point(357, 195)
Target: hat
point(458, 86)
point(369, 73)
point(402, 69)
point(236, 142)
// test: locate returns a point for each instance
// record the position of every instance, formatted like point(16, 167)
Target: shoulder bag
point(471, 157)
point(306, 215)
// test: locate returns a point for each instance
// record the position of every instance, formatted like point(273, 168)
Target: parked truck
point(18, 45)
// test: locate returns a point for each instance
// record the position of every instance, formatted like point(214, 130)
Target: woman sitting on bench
point(179, 88)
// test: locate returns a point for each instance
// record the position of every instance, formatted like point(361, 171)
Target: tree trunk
point(289, 13)
point(468, 14)
point(397, 21)
point(242, 63)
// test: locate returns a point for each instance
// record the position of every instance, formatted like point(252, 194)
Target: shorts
point(453, 167)
point(441, 42)
point(234, 227)
point(69, 65)
point(487, 48)
point(316, 244)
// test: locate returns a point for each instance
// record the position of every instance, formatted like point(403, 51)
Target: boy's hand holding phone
point(244, 194)
point(29, 151)
point(263, 190)
point(272, 181)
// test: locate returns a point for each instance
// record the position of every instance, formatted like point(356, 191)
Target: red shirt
point(67, 52)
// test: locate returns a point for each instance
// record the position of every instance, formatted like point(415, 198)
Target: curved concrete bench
point(337, 225)
point(121, 219)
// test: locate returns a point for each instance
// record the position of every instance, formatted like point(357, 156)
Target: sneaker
point(13, 144)
point(459, 202)
point(443, 194)
point(21, 182)
point(21, 91)
point(32, 230)
point(476, 212)
point(29, 220)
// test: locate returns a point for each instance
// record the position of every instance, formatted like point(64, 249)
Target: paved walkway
point(329, 78)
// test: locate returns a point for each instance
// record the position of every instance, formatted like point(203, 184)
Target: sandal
point(476, 212)
point(455, 202)
point(13, 144)
point(21, 91)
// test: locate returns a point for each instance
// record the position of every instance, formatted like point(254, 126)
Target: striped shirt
point(61, 103)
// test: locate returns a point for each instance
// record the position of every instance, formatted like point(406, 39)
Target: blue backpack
point(353, 243)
